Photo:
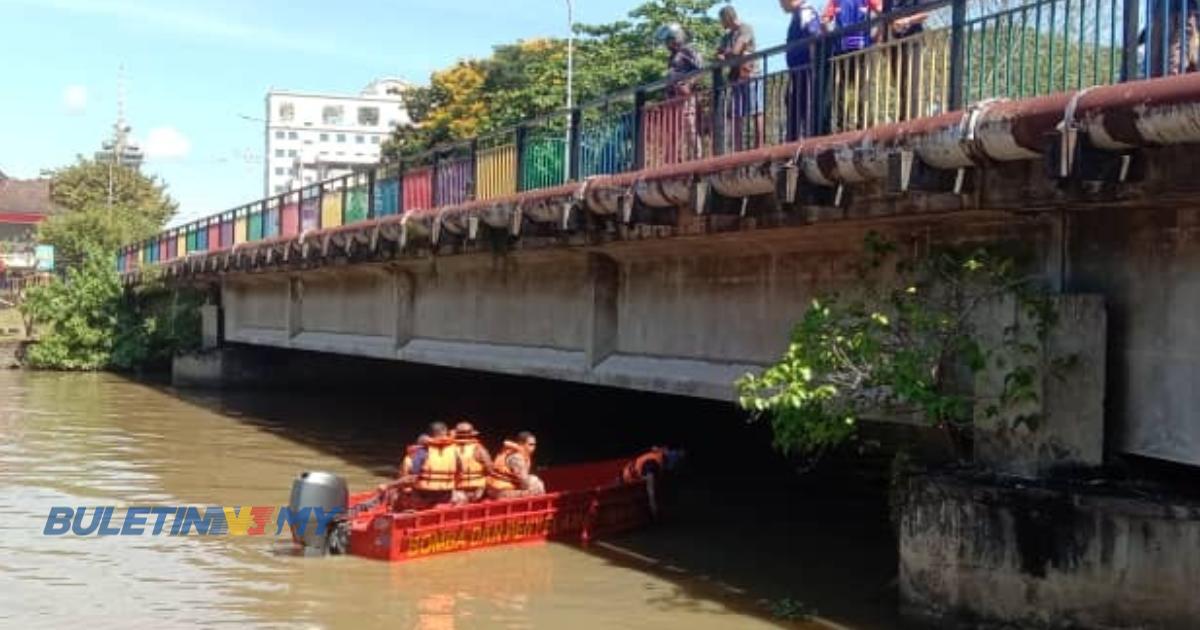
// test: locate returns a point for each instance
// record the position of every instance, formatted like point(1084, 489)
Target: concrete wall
point(1145, 260)
point(682, 315)
point(973, 551)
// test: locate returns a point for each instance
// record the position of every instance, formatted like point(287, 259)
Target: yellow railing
point(496, 172)
point(891, 82)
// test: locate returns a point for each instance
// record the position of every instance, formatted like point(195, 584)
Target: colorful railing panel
point(331, 204)
point(607, 144)
point(418, 189)
point(357, 202)
point(496, 171)
point(310, 208)
point(454, 181)
point(289, 215)
point(387, 194)
point(676, 130)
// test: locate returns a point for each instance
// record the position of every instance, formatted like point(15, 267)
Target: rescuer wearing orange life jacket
point(510, 475)
point(648, 468)
point(436, 467)
point(475, 463)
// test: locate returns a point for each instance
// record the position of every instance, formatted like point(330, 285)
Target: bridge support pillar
point(605, 276)
point(210, 326)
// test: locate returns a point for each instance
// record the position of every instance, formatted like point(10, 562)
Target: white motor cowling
point(315, 496)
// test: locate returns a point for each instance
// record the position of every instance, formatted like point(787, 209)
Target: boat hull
point(592, 504)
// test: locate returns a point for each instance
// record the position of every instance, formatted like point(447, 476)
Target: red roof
point(26, 218)
point(24, 201)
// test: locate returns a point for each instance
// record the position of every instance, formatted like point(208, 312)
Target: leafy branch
point(906, 344)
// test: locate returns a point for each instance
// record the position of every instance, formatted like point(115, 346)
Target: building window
point(341, 137)
point(291, 153)
point(359, 139)
point(368, 116)
point(374, 139)
point(332, 114)
point(292, 135)
point(278, 152)
point(279, 135)
point(287, 112)
point(279, 170)
point(324, 137)
point(279, 189)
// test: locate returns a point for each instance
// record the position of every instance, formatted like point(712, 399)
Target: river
point(90, 440)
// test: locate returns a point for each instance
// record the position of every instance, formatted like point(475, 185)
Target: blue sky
point(192, 66)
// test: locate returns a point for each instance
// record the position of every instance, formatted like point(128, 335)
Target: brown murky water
point(87, 440)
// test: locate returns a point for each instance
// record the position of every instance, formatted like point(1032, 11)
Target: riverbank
point(12, 353)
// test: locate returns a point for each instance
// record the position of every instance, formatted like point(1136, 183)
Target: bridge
point(695, 231)
point(668, 243)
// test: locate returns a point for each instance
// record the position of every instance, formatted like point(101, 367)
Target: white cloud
point(166, 143)
point(75, 98)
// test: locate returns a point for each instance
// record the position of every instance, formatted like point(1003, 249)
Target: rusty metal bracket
point(907, 173)
point(1073, 157)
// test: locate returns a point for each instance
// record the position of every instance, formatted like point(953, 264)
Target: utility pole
point(570, 87)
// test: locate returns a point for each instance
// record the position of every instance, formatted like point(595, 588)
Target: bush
point(89, 322)
point(903, 345)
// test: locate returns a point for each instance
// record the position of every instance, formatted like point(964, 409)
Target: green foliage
point(905, 345)
point(88, 322)
point(527, 79)
point(139, 207)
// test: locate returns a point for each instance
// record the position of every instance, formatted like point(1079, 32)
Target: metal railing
point(964, 51)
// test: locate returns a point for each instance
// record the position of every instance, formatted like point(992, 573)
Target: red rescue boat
point(583, 502)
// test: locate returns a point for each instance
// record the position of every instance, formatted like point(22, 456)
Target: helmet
point(672, 32)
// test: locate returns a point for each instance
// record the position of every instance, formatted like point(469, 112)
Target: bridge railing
point(965, 51)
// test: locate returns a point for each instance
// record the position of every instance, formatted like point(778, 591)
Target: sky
point(194, 68)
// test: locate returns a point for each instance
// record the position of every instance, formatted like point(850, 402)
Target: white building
point(312, 137)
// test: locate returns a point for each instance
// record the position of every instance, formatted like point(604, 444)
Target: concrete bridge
point(685, 267)
point(680, 279)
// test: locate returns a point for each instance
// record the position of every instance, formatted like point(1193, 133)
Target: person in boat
point(511, 475)
point(435, 467)
point(399, 493)
point(476, 464)
point(648, 468)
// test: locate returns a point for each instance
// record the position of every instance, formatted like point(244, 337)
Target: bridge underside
point(681, 316)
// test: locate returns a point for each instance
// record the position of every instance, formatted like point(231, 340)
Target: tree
point(89, 322)
point(79, 317)
point(93, 219)
point(527, 79)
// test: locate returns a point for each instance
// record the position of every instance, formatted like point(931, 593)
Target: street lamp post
point(570, 86)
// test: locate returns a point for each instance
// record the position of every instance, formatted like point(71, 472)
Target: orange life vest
point(471, 476)
point(632, 473)
point(502, 477)
point(440, 467)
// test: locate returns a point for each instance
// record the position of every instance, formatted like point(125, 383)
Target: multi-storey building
point(312, 137)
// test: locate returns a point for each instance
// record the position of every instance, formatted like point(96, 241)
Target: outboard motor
point(328, 492)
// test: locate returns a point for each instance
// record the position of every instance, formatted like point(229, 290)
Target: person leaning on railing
point(738, 41)
point(1183, 44)
point(805, 24)
point(843, 15)
point(682, 65)
point(905, 58)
